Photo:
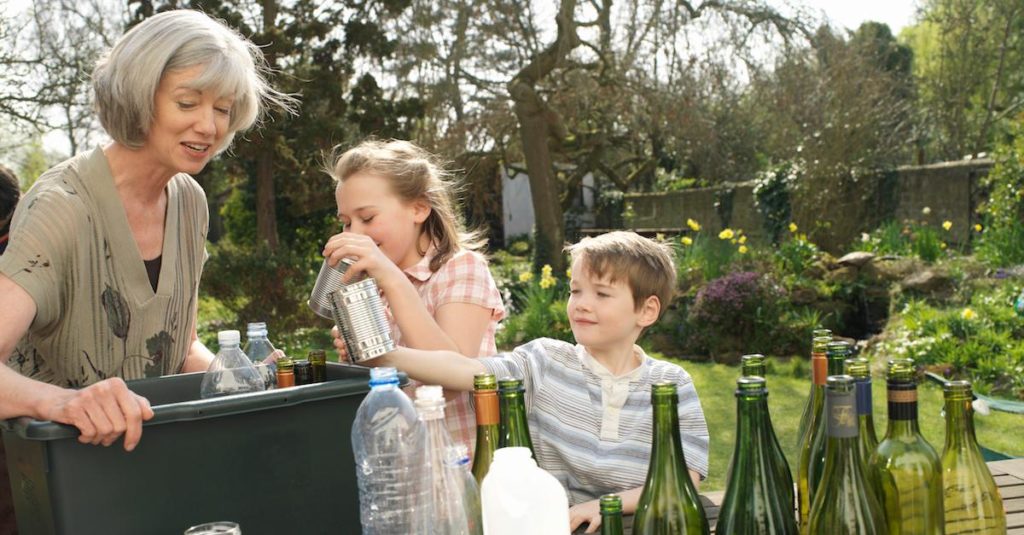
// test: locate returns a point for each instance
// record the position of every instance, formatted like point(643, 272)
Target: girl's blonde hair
point(414, 174)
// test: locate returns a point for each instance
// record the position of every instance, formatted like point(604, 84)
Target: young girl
point(400, 227)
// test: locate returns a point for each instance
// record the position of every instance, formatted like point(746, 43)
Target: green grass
point(715, 384)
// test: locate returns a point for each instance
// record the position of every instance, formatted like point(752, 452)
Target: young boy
point(589, 405)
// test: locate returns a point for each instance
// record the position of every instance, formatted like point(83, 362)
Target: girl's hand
point(368, 257)
point(339, 346)
point(585, 512)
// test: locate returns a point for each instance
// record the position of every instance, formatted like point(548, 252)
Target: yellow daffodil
point(947, 225)
point(968, 314)
point(743, 239)
point(547, 282)
point(659, 237)
point(545, 271)
point(525, 276)
point(943, 245)
point(686, 240)
point(694, 226)
point(977, 227)
point(743, 249)
point(793, 227)
point(726, 234)
point(568, 273)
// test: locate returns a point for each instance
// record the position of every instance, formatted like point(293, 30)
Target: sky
point(850, 13)
point(844, 13)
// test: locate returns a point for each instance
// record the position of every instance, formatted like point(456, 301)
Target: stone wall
point(949, 190)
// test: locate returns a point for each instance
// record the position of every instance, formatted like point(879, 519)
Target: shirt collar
point(421, 270)
point(601, 372)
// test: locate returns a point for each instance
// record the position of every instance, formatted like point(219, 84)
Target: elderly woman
point(99, 281)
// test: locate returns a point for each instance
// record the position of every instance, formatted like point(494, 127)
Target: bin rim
point(201, 409)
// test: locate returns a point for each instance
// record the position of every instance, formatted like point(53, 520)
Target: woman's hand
point(368, 257)
point(102, 412)
point(585, 512)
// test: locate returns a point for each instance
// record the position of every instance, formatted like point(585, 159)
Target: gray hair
point(126, 78)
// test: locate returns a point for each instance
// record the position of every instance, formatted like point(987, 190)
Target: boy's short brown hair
point(646, 265)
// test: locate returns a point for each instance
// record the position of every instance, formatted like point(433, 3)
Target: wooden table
point(1009, 476)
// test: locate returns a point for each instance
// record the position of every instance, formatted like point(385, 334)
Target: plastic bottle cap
point(429, 393)
point(383, 376)
point(228, 337)
point(513, 454)
point(256, 329)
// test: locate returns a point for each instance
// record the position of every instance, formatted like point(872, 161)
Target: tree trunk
point(537, 121)
point(266, 211)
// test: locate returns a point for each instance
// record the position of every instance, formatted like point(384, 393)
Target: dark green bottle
point(837, 353)
point(668, 504)
point(819, 364)
point(906, 466)
point(859, 368)
point(970, 496)
point(611, 514)
point(318, 359)
point(514, 431)
point(753, 365)
point(759, 494)
point(488, 417)
point(845, 503)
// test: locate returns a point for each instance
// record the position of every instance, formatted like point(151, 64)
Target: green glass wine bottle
point(970, 496)
point(513, 431)
point(611, 514)
point(753, 365)
point(845, 503)
point(819, 341)
point(668, 504)
point(485, 396)
point(859, 368)
point(906, 466)
point(812, 449)
point(838, 353)
point(756, 500)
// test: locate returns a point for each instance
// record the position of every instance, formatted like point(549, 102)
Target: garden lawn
point(999, 431)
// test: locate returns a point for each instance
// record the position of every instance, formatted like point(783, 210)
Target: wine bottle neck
point(666, 449)
point(487, 411)
point(902, 401)
point(819, 368)
point(959, 423)
point(751, 418)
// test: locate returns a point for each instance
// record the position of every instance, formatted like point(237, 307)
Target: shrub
point(1002, 241)
point(707, 254)
point(980, 341)
point(905, 239)
point(257, 284)
point(541, 311)
point(734, 314)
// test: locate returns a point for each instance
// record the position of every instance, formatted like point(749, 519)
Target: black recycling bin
point(277, 462)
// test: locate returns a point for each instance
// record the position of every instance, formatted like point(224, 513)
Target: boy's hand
point(585, 512)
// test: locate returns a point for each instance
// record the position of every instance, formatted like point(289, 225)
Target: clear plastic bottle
point(389, 440)
point(258, 348)
point(458, 461)
point(231, 372)
point(447, 494)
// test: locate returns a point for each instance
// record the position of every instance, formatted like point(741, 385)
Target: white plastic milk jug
point(519, 497)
